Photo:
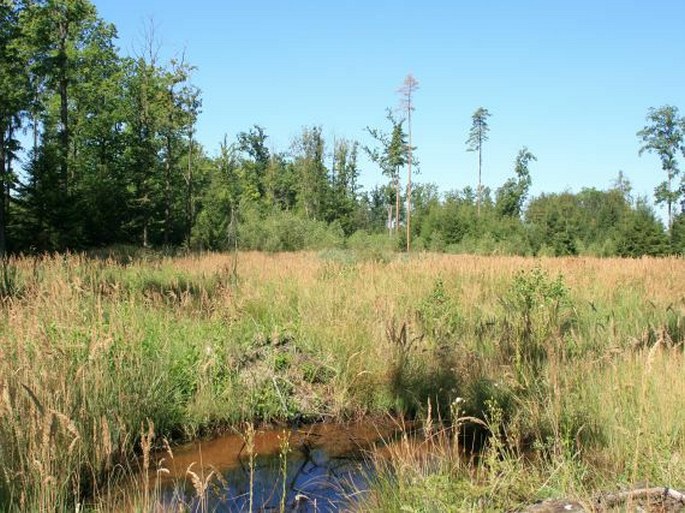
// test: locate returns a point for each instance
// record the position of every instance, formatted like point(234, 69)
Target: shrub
point(285, 231)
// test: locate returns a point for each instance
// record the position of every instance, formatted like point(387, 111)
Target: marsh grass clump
point(421, 371)
point(439, 315)
point(668, 332)
point(538, 313)
point(163, 285)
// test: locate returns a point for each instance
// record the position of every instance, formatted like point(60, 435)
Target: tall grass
point(91, 349)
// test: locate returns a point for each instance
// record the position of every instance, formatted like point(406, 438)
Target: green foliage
point(450, 222)
point(678, 235)
point(110, 135)
point(642, 234)
point(312, 175)
point(663, 135)
point(538, 313)
point(511, 196)
point(537, 301)
point(591, 221)
point(439, 314)
point(285, 231)
point(478, 134)
point(344, 174)
point(391, 155)
point(377, 247)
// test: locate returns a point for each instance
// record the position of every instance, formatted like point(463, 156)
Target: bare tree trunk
point(8, 185)
point(233, 244)
point(64, 105)
point(34, 117)
point(4, 157)
point(409, 109)
point(397, 201)
point(64, 135)
point(189, 191)
point(167, 191)
point(480, 187)
point(670, 210)
point(407, 91)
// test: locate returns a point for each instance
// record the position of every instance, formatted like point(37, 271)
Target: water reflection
point(316, 469)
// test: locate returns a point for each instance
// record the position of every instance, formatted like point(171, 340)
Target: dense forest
point(98, 149)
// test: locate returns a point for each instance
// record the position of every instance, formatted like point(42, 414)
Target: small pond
point(326, 467)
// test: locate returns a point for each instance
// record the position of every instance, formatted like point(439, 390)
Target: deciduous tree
point(391, 156)
point(663, 135)
point(512, 194)
point(344, 175)
point(312, 175)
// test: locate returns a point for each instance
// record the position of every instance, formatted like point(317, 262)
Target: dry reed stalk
point(71, 428)
point(105, 443)
point(200, 484)
point(284, 441)
point(249, 438)
point(146, 439)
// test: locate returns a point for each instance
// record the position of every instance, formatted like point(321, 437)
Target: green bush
point(377, 247)
point(285, 231)
point(537, 314)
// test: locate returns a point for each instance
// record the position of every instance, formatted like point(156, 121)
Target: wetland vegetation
point(565, 375)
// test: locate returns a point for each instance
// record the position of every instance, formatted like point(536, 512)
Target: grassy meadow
point(567, 375)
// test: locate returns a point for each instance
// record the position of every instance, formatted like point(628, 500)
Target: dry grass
point(90, 350)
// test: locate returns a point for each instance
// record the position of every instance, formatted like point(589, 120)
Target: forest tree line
point(98, 149)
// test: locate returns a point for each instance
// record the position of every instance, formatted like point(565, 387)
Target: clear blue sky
point(572, 80)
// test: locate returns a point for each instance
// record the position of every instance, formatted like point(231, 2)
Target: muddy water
point(326, 465)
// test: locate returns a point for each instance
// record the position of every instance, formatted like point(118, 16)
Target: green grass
point(565, 361)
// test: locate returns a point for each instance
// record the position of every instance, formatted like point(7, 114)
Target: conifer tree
point(478, 134)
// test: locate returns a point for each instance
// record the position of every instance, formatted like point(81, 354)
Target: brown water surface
point(319, 467)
